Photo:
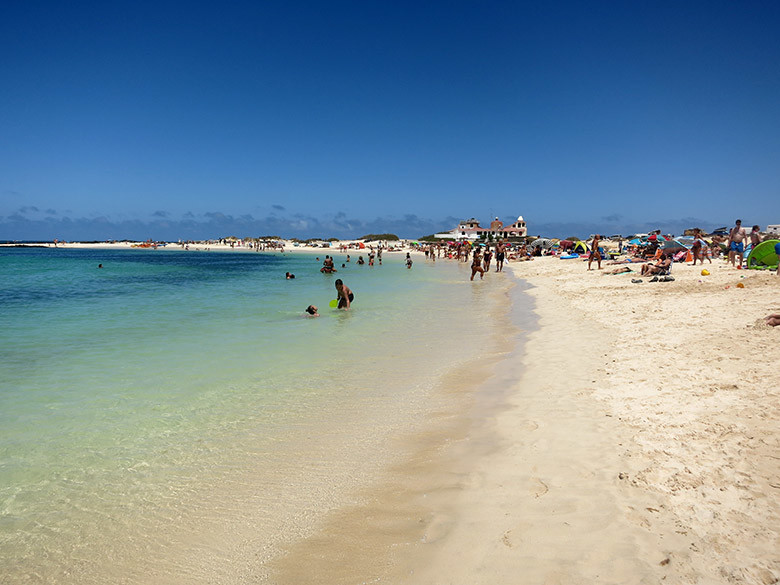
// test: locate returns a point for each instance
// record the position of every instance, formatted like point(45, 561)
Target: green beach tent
point(763, 256)
point(580, 248)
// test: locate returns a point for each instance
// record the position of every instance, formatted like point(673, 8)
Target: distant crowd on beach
point(655, 253)
point(481, 256)
point(737, 245)
point(344, 295)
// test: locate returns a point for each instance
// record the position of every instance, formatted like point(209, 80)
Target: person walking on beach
point(594, 252)
point(500, 257)
point(486, 259)
point(476, 265)
point(697, 248)
point(344, 295)
point(736, 243)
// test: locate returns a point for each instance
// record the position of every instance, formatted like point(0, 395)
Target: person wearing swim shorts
point(500, 257)
point(736, 243)
point(344, 295)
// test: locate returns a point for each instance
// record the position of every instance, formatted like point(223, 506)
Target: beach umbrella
point(544, 243)
point(673, 246)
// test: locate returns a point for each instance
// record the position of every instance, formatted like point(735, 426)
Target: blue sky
point(193, 120)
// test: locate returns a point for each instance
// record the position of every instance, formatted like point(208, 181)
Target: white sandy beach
point(638, 442)
point(641, 442)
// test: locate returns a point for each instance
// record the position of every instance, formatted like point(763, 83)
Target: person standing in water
point(344, 295)
point(500, 257)
point(476, 265)
point(486, 259)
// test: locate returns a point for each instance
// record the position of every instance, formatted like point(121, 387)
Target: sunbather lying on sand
point(662, 265)
point(621, 270)
point(773, 320)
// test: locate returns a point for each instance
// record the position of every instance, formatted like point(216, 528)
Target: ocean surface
point(174, 417)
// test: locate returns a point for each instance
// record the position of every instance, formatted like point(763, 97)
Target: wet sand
point(634, 439)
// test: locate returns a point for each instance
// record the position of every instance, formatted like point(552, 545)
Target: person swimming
point(312, 311)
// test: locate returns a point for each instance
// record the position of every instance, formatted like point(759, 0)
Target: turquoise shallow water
point(152, 402)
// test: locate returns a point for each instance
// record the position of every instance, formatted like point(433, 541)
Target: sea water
point(175, 417)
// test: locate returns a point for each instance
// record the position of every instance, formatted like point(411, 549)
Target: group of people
point(480, 260)
point(737, 240)
point(344, 295)
point(344, 298)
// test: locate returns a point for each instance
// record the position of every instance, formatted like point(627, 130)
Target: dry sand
point(641, 442)
point(637, 441)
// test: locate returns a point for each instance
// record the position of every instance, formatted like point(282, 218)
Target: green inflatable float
point(763, 256)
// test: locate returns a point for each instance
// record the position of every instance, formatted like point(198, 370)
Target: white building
point(469, 229)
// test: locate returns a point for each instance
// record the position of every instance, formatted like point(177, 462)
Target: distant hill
point(375, 237)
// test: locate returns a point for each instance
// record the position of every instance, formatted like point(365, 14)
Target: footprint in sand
point(439, 525)
point(505, 539)
point(538, 487)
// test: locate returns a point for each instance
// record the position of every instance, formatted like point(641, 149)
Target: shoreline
point(400, 519)
point(619, 432)
point(641, 440)
point(636, 443)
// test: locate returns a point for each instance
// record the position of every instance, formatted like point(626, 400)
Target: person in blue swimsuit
point(737, 237)
point(777, 251)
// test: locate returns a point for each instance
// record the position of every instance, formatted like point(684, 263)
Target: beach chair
point(666, 271)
